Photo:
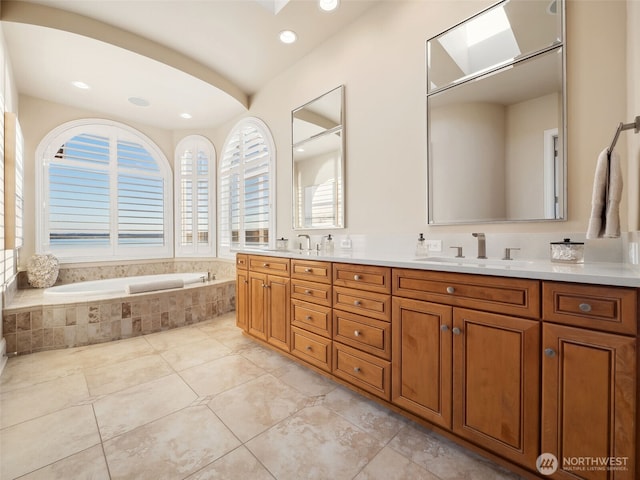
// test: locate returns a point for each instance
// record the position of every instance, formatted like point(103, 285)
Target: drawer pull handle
point(456, 331)
point(308, 348)
point(550, 352)
point(356, 369)
point(357, 303)
point(356, 333)
point(356, 277)
point(444, 328)
point(584, 307)
point(266, 265)
point(451, 290)
point(308, 318)
point(307, 292)
point(308, 270)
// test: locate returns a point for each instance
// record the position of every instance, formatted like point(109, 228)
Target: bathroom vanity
point(513, 362)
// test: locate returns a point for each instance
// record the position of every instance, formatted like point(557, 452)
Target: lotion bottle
point(421, 247)
point(328, 245)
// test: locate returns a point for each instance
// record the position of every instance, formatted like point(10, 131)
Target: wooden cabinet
point(589, 380)
point(473, 372)
point(269, 305)
point(311, 302)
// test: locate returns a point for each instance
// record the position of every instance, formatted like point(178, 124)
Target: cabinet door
point(242, 299)
point(421, 359)
point(278, 311)
point(588, 401)
point(257, 305)
point(496, 380)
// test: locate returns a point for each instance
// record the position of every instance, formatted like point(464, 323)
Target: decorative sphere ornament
point(42, 270)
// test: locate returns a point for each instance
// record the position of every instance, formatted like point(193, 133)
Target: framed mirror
point(496, 116)
point(318, 162)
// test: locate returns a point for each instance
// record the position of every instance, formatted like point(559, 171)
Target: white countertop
point(619, 274)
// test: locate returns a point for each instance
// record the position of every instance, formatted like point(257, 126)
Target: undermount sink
point(477, 261)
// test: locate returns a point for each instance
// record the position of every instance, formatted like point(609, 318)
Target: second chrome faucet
point(482, 244)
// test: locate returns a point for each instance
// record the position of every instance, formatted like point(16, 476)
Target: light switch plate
point(434, 245)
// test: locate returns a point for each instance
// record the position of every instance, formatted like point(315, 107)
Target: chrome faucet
point(308, 241)
point(482, 245)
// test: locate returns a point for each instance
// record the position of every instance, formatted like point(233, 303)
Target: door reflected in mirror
point(496, 141)
point(318, 162)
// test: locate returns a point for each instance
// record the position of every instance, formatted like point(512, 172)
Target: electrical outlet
point(345, 243)
point(434, 245)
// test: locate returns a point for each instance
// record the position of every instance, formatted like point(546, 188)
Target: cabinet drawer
point(367, 334)
point(612, 309)
point(362, 370)
point(312, 270)
point(311, 348)
point(315, 318)
point(371, 304)
point(512, 296)
point(272, 265)
point(311, 292)
point(242, 261)
point(365, 277)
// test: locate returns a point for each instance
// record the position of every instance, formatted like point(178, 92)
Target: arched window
point(104, 191)
point(247, 188)
point(195, 193)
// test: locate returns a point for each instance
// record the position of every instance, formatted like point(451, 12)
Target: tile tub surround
point(203, 402)
point(30, 326)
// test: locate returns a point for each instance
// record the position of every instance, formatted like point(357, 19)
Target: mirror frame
point(485, 73)
point(338, 129)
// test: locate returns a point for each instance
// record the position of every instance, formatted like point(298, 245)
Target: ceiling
point(202, 57)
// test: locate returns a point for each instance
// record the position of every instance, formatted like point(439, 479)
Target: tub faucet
point(308, 241)
point(482, 245)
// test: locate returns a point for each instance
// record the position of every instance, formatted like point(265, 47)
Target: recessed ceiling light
point(185, 115)
point(288, 36)
point(328, 5)
point(80, 85)
point(139, 102)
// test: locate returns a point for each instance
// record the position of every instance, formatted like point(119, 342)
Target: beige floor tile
point(390, 465)
point(171, 447)
point(251, 408)
point(118, 376)
point(189, 355)
point(17, 406)
point(162, 341)
point(236, 465)
point(444, 458)
point(89, 464)
point(306, 381)
point(374, 419)
point(34, 444)
point(29, 370)
point(266, 358)
point(315, 443)
point(219, 375)
point(113, 352)
point(125, 410)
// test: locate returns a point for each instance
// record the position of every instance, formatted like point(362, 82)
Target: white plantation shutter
point(195, 197)
point(246, 188)
point(105, 193)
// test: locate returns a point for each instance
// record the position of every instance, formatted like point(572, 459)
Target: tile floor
point(205, 402)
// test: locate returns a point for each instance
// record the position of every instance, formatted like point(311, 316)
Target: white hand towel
point(154, 285)
point(605, 200)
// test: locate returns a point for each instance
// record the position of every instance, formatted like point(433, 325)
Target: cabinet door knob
point(308, 318)
point(444, 328)
point(308, 348)
point(584, 307)
point(357, 303)
point(356, 369)
point(456, 331)
point(550, 352)
point(308, 270)
point(265, 265)
point(356, 333)
point(356, 277)
point(451, 290)
point(307, 292)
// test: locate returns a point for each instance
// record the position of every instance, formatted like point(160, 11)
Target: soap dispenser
point(421, 247)
point(328, 245)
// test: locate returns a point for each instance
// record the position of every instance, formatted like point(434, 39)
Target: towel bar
point(624, 126)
